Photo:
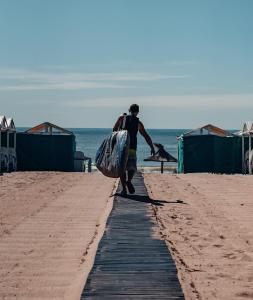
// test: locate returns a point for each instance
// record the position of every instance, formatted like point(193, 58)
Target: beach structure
point(208, 129)
point(48, 128)
point(81, 162)
point(209, 149)
point(246, 135)
point(8, 158)
point(161, 156)
point(46, 147)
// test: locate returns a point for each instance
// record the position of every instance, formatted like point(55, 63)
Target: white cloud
point(24, 80)
point(197, 101)
point(59, 86)
point(181, 62)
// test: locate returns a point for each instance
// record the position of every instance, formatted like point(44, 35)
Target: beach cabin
point(46, 147)
point(209, 149)
point(8, 158)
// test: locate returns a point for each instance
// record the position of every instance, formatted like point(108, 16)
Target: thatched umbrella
point(161, 155)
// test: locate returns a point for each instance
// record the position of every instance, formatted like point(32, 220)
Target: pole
point(15, 149)
point(8, 151)
point(0, 151)
point(89, 165)
point(243, 158)
point(250, 170)
point(162, 167)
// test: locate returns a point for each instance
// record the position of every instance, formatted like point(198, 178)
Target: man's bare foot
point(123, 192)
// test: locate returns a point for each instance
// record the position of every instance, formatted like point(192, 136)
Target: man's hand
point(152, 151)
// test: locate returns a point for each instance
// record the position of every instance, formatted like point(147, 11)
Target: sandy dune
point(48, 221)
point(211, 235)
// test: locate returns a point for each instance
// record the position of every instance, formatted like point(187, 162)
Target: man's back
point(132, 126)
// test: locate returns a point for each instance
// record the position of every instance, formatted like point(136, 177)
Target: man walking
point(132, 125)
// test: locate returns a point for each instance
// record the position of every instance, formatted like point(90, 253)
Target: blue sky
point(82, 63)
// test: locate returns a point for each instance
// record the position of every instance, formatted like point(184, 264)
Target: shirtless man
point(132, 125)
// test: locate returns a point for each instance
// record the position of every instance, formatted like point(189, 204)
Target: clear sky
point(81, 63)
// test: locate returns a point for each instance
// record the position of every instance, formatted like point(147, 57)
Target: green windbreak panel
point(210, 153)
point(45, 152)
point(227, 153)
point(11, 139)
point(180, 156)
point(198, 154)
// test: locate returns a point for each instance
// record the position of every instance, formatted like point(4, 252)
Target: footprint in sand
point(194, 235)
point(246, 257)
point(230, 256)
point(250, 279)
point(245, 294)
point(218, 245)
point(221, 275)
point(173, 217)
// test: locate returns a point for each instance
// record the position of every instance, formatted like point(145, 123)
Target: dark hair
point(134, 108)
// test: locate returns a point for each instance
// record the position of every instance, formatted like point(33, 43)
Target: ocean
point(88, 140)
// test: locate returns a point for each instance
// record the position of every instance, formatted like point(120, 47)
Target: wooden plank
point(131, 263)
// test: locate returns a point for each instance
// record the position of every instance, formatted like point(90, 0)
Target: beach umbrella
point(161, 156)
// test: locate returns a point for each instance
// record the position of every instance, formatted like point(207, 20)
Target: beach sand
point(210, 234)
point(50, 224)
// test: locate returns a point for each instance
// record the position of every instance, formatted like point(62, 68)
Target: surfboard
point(111, 157)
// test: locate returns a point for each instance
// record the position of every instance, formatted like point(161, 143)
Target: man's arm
point(118, 123)
point(144, 133)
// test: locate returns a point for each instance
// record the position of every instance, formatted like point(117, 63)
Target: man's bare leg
point(123, 183)
point(130, 175)
point(129, 184)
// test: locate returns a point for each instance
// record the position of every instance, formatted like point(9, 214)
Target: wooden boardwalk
point(131, 261)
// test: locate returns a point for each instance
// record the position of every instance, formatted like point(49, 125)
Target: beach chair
point(80, 161)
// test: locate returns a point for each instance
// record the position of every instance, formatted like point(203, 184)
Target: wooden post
point(162, 167)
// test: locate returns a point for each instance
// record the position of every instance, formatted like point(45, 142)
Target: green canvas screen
point(210, 153)
point(37, 152)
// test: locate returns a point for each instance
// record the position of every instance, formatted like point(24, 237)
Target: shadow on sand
point(147, 199)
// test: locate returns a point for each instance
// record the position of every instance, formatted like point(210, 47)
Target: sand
point(210, 234)
point(50, 224)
